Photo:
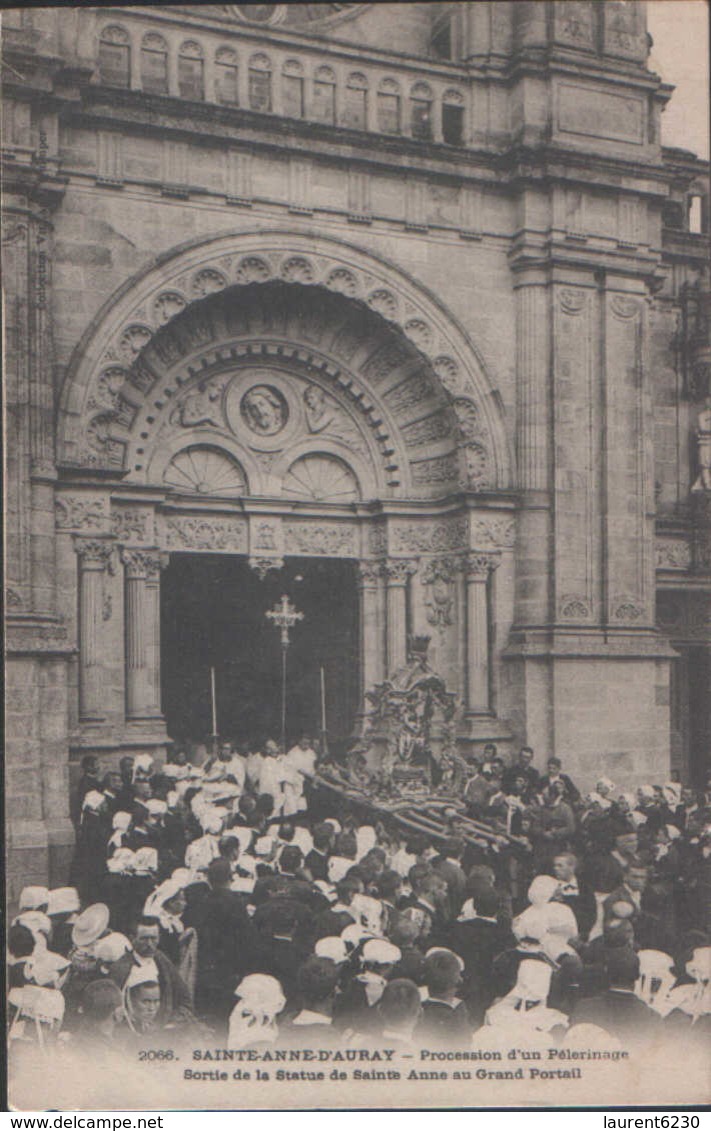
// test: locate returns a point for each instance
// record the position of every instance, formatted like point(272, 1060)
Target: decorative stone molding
point(81, 512)
point(624, 307)
point(213, 533)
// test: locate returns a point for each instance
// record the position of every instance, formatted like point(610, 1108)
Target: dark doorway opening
point(213, 614)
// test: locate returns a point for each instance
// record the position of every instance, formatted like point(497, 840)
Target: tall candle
point(214, 701)
point(323, 701)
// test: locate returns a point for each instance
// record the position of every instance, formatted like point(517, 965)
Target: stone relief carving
point(187, 532)
point(378, 540)
point(498, 532)
point(132, 341)
point(94, 551)
point(480, 565)
point(427, 431)
point(207, 281)
point(476, 463)
point(143, 563)
point(469, 424)
point(409, 393)
point(265, 536)
point(81, 512)
point(397, 571)
point(624, 307)
point(132, 524)
point(167, 305)
point(573, 300)
point(573, 608)
point(369, 573)
point(330, 541)
point(108, 386)
point(202, 405)
point(673, 554)
point(13, 599)
point(703, 448)
point(425, 537)
point(574, 22)
point(383, 302)
point(177, 285)
point(441, 469)
point(324, 416)
point(437, 577)
point(343, 281)
point(262, 566)
point(264, 410)
point(628, 610)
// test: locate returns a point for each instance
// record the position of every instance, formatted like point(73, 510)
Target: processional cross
point(284, 616)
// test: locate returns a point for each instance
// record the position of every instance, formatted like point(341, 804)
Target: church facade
point(411, 288)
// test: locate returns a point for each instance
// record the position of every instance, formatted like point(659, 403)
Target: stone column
point(93, 556)
point(372, 649)
point(478, 566)
point(396, 574)
point(142, 644)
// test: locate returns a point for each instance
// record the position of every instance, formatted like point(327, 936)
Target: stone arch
point(164, 302)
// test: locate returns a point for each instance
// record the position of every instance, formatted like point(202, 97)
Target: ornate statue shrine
point(412, 729)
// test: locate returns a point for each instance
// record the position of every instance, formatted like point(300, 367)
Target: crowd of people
point(238, 903)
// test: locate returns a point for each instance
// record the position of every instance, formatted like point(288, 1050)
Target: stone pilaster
point(94, 555)
point(142, 643)
point(478, 568)
point(397, 574)
point(372, 642)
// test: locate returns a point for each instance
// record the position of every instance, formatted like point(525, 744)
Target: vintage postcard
point(357, 554)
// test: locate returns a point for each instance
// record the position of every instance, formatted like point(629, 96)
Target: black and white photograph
point(357, 554)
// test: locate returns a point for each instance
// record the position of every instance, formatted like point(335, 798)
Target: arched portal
point(278, 408)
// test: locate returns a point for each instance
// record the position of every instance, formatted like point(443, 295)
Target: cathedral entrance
point(213, 614)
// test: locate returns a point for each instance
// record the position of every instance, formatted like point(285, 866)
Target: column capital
point(144, 563)
point(397, 570)
point(94, 553)
point(479, 565)
point(369, 574)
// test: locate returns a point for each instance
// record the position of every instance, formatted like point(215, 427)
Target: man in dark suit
point(478, 942)
point(522, 766)
point(444, 1019)
point(618, 1010)
point(571, 792)
point(631, 889)
point(449, 866)
point(225, 943)
point(317, 859)
point(574, 892)
point(279, 953)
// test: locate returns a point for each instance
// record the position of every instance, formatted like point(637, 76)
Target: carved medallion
point(264, 410)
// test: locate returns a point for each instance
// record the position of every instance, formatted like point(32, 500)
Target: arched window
point(191, 71)
point(292, 89)
point(696, 214)
point(260, 83)
point(226, 90)
point(421, 111)
point(324, 101)
point(154, 64)
point(453, 118)
point(356, 104)
point(115, 56)
point(389, 107)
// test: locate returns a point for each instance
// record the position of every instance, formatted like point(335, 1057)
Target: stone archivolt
point(164, 319)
